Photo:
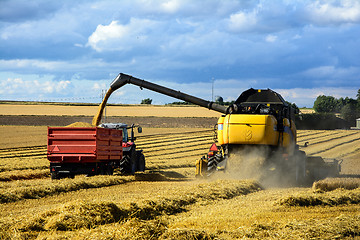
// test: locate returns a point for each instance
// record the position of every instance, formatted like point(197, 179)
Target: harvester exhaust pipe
point(123, 79)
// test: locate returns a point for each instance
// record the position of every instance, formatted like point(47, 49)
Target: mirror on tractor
point(139, 129)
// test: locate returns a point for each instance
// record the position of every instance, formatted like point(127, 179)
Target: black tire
point(140, 162)
point(109, 169)
point(212, 165)
point(106, 169)
point(126, 165)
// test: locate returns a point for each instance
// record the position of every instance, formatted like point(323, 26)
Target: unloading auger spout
point(123, 79)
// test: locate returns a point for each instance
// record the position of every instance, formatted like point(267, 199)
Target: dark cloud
point(282, 44)
point(23, 10)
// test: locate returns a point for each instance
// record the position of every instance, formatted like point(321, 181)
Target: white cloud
point(171, 6)
point(62, 85)
point(305, 97)
point(104, 33)
point(30, 63)
point(242, 21)
point(116, 36)
point(271, 38)
point(343, 11)
point(333, 72)
point(18, 87)
point(99, 86)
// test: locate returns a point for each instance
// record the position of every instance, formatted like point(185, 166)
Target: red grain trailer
point(83, 150)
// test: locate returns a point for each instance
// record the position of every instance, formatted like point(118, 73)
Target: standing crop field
point(167, 202)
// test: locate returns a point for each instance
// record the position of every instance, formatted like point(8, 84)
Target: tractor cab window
point(125, 134)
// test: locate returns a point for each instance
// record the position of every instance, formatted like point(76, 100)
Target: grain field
point(167, 202)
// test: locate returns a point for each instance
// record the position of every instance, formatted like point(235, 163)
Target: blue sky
point(71, 50)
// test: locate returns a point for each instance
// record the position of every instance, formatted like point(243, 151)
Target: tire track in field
point(183, 144)
point(317, 136)
point(23, 152)
point(177, 146)
point(173, 134)
point(172, 140)
point(305, 133)
point(337, 146)
point(329, 139)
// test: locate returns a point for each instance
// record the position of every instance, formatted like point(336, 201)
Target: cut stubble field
point(167, 202)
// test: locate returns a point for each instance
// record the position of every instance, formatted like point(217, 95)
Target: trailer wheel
point(109, 170)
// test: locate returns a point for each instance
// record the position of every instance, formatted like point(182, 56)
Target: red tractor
point(133, 160)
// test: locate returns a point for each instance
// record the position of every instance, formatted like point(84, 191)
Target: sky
point(71, 50)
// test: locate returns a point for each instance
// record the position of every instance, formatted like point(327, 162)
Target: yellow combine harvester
point(260, 121)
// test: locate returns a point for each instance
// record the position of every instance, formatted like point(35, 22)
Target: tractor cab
point(124, 127)
point(133, 159)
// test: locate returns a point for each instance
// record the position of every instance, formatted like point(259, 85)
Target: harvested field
point(330, 184)
point(337, 144)
point(333, 198)
point(167, 202)
point(13, 136)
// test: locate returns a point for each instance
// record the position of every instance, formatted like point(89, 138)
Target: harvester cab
point(133, 160)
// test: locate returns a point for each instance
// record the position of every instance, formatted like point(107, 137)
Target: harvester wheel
point(212, 164)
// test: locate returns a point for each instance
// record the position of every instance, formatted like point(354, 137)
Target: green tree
point(146, 101)
point(294, 106)
point(326, 104)
point(350, 113)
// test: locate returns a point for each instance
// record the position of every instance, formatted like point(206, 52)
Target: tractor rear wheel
point(126, 165)
point(140, 162)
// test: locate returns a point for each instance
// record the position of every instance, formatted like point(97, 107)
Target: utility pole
point(212, 89)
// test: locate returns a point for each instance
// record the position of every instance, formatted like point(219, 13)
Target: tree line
point(348, 108)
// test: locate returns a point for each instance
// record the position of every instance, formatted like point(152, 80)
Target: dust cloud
point(259, 163)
